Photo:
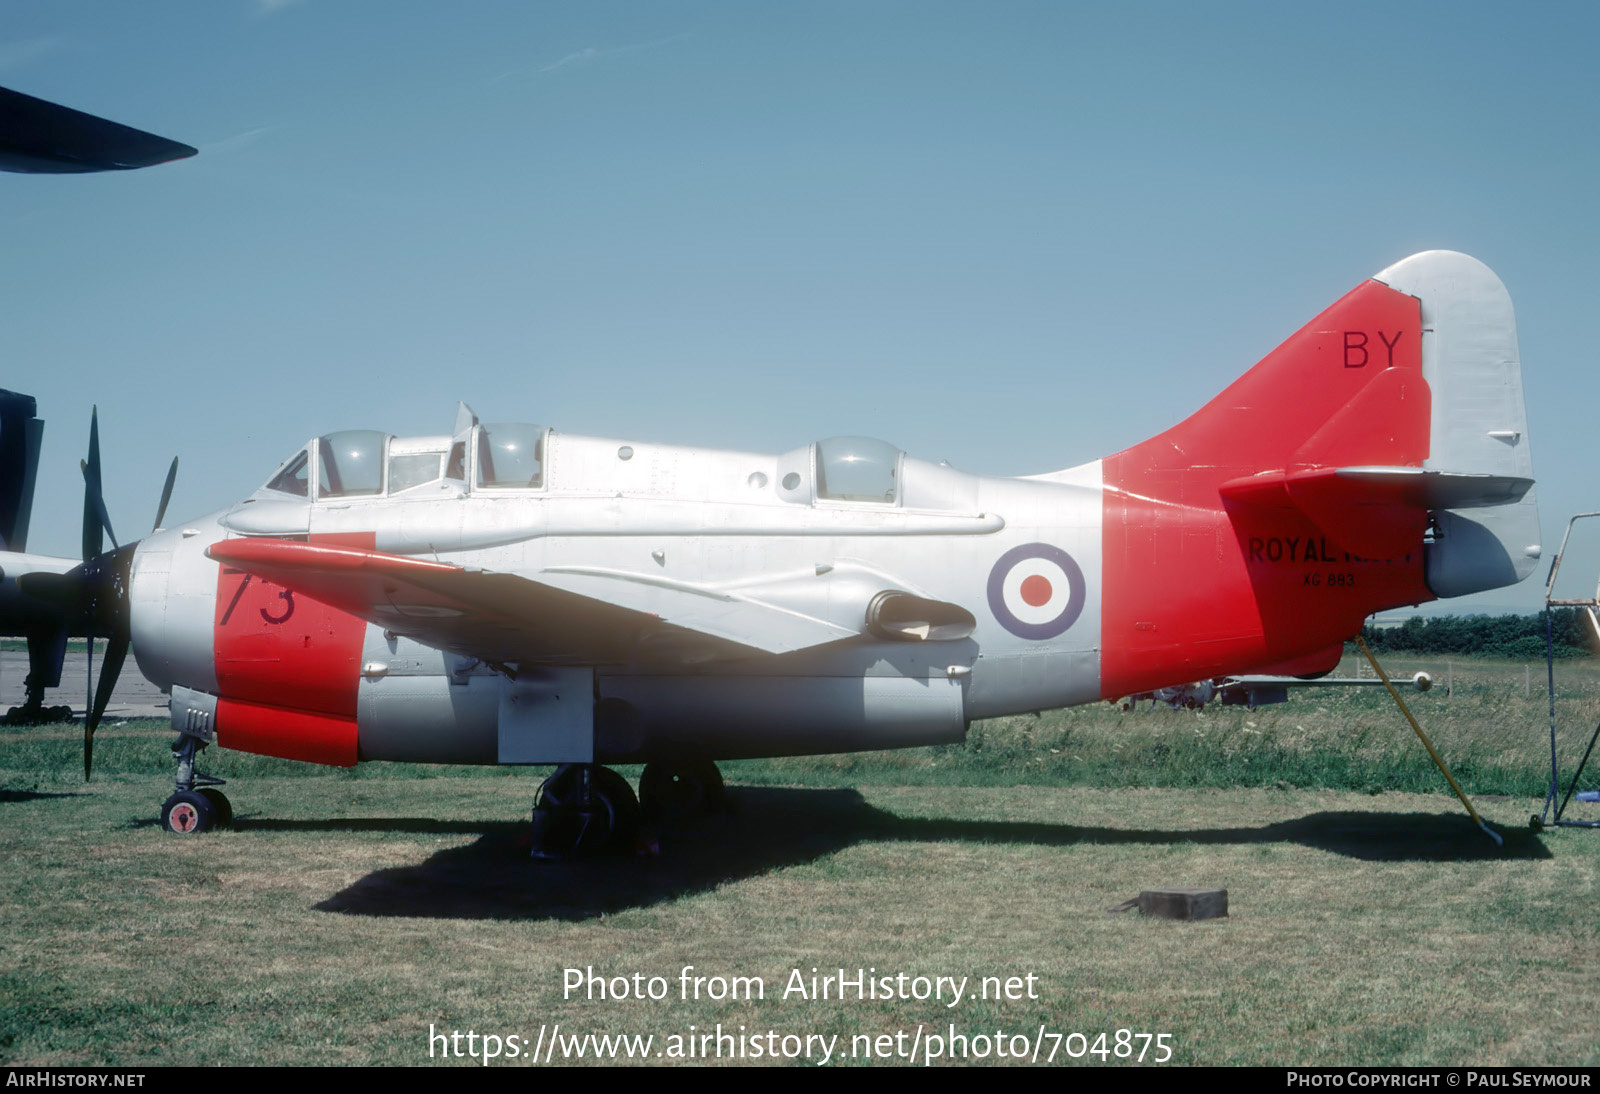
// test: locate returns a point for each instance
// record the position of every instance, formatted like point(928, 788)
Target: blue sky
point(1015, 236)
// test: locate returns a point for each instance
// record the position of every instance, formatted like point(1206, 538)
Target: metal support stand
point(1552, 814)
point(1438, 761)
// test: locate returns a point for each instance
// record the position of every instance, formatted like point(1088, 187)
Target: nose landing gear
point(196, 804)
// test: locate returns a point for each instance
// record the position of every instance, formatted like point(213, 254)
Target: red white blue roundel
point(1036, 591)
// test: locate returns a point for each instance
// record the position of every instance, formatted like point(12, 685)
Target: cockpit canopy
point(510, 456)
point(349, 465)
point(858, 469)
point(294, 478)
point(356, 463)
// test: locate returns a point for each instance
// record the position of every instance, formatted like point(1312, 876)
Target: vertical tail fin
point(20, 434)
point(1395, 414)
point(1378, 457)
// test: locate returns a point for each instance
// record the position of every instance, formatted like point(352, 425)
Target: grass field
point(349, 912)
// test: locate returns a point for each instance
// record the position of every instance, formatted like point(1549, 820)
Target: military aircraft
point(509, 594)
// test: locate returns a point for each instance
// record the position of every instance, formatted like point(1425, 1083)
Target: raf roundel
point(1036, 591)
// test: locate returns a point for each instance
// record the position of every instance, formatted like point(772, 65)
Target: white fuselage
point(648, 526)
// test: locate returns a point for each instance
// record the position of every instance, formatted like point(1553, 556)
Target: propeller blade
point(166, 494)
point(91, 490)
point(106, 579)
point(110, 668)
point(88, 697)
point(93, 542)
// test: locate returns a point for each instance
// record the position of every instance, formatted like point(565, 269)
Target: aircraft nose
point(172, 606)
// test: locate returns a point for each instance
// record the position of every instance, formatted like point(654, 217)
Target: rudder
point(1478, 426)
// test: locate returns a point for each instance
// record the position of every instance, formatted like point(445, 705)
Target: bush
point(1511, 637)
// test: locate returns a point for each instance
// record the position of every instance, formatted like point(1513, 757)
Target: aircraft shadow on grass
point(35, 795)
point(770, 828)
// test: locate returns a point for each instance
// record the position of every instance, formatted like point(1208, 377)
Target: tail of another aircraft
point(1378, 457)
point(20, 434)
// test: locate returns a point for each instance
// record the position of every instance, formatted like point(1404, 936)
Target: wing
point(593, 616)
point(45, 137)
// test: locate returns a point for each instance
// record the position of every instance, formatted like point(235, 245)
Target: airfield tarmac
point(134, 696)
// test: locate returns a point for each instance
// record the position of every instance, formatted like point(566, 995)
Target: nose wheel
point(584, 810)
point(187, 813)
point(196, 804)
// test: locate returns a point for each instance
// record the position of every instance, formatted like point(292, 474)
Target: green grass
point(1493, 730)
point(349, 911)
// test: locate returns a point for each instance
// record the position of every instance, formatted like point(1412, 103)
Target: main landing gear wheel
point(34, 714)
point(188, 813)
point(584, 809)
point(679, 790)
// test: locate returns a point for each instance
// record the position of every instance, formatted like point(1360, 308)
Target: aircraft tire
point(188, 813)
point(678, 790)
point(561, 829)
point(622, 804)
point(220, 803)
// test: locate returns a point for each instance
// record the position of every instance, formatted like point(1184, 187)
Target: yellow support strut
point(1423, 737)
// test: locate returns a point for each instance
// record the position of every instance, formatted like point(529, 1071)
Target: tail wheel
point(676, 790)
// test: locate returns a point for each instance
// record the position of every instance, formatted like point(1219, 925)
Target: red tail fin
point(1345, 389)
point(1264, 528)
